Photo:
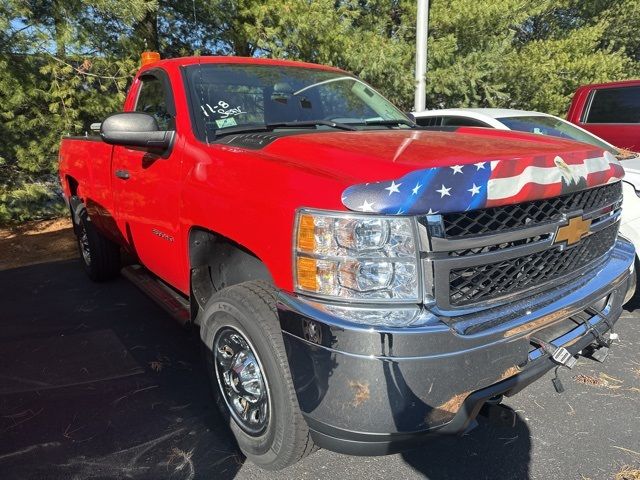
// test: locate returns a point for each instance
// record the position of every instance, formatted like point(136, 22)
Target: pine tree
point(64, 65)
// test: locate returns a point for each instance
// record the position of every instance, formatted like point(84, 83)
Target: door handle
point(123, 174)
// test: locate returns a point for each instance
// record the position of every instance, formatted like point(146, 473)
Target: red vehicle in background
point(610, 111)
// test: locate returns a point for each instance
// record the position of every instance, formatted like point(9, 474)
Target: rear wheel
point(249, 373)
point(100, 256)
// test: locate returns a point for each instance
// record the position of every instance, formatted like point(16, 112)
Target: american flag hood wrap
point(489, 183)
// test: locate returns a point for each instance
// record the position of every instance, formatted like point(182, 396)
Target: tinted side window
point(152, 99)
point(429, 121)
point(463, 122)
point(615, 105)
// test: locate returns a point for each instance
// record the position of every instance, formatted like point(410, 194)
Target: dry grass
point(36, 242)
point(181, 462)
point(160, 363)
point(156, 366)
point(36, 227)
point(602, 380)
point(628, 473)
point(454, 403)
point(589, 380)
point(361, 393)
point(509, 372)
point(447, 410)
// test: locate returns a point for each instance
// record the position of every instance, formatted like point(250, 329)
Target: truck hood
point(418, 171)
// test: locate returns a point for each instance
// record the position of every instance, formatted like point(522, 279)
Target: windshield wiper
point(391, 123)
point(311, 124)
point(259, 127)
point(265, 127)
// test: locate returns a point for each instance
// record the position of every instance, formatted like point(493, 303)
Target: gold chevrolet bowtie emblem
point(573, 232)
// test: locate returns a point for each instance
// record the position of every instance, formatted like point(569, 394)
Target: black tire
point(634, 301)
point(99, 256)
point(250, 309)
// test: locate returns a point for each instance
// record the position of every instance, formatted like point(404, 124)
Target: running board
point(174, 303)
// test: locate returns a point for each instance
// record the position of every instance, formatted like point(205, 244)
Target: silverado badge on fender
point(162, 235)
point(572, 232)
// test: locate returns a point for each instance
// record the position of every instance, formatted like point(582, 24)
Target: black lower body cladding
point(373, 391)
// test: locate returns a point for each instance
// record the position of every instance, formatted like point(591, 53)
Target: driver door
point(147, 186)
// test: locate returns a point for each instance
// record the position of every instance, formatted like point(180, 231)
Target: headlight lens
point(356, 257)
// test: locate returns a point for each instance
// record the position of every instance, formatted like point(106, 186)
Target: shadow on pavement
point(96, 381)
point(486, 452)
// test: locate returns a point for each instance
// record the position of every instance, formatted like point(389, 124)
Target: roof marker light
point(149, 57)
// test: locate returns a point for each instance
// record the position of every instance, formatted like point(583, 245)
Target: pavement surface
point(97, 382)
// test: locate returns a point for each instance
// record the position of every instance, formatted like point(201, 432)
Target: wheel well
point(73, 186)
point(217, 262)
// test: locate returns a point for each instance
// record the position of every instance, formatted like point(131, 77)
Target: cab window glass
point(429, 121)
point(152, 99)
point(615, 105)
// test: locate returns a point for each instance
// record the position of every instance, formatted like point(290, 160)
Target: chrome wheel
point(83, 241)
point(241, 381)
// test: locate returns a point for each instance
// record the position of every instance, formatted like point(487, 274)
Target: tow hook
point(599, 351)
point(559, 355)
point(498, 414)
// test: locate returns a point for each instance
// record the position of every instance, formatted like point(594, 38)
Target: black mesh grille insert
point(499, 219)
point(485, 282)
point(498, 246)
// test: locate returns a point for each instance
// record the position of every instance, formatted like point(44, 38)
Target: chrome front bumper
point(364, 389)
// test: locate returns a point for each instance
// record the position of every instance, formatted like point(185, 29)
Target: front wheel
point(249, 373)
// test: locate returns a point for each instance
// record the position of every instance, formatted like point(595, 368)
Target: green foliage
point(67, 63)
point(27, 197)
point(544, 74)
point(64, 64)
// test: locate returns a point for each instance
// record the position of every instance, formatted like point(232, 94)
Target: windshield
point(554, 127)
point(228, 97)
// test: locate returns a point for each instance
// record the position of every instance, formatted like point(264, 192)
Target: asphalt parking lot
point(97, 382)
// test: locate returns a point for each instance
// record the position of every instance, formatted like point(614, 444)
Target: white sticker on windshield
point(226, 122)
point(222, 109)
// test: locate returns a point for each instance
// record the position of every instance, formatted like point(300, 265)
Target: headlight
point(356, 257)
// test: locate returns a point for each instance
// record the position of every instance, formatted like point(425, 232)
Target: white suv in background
point(544, 124)
point(630, 226)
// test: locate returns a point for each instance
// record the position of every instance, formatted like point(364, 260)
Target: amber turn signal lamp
point(149, 57)
point(306, 272)
point(306, 234)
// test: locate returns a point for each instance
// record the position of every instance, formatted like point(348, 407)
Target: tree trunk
point(60, 29)
point(146, 31)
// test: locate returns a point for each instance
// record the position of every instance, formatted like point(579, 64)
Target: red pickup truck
point(610, 111)
point(359, 283)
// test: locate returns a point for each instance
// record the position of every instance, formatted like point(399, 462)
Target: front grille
point(480, 283)
point(500, 219)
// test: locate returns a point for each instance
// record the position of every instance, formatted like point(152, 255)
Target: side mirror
point(411, 116)
point(135, 129)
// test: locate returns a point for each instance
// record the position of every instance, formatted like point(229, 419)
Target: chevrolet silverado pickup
point(359, 283)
